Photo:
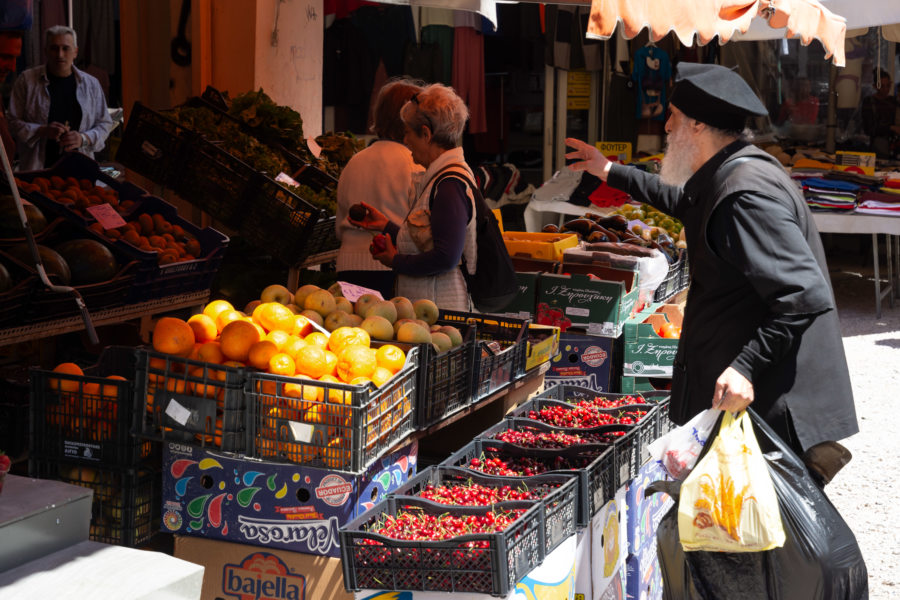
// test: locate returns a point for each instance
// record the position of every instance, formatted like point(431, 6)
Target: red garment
point(342, 8)
point(468, 74)
point(605, 195)
point(805, 112)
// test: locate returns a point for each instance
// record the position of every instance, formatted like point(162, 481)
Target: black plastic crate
point(496, 365)
point(46, 305)
point(191, 402)
point(445, 379)
point(676, 279)
point(14, 409)
point(485, 563)
point(332, 425)
point(15, 302)
point(557, 492)
point(322, 237)
point(592, 464)
point(576, 393)
point(661, 398)
point(538, 403)
point(80, 167)
point(281, 221)
point(127, 502)
point(87, 418)
point(154, 145)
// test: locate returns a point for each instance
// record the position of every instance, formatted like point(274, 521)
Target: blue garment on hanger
point(651, 82)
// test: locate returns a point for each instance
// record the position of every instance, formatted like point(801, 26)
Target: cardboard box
point(545, 346)
point(643, 575)
point(591, 361)
point(644, 514)
point(543, 246)
point(275, 505)
point(637, 385)
point(647, 354)
point(595, 299)
point(522, 306)
point(616, 590)
point(237, 571)
point(609, 542)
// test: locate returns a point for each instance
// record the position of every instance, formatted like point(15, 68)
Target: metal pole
point(831, 119)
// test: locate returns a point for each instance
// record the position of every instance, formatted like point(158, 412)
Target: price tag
point(286, 179)
point(106, 215)
point(315, 148)
point(352, 292)
point(578, 312)
point(302, 432)
point(624, 472)
point(178, 413)
point(599, 497)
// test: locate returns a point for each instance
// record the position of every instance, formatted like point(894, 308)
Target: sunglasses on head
point(415, 100)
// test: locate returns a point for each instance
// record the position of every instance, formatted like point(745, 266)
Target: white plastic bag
point(677, 451)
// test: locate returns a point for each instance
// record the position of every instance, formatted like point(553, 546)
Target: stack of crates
point(80, 433)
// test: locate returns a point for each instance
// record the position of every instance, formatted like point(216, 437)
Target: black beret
point(715, 95)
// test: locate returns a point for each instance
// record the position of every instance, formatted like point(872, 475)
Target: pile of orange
point(275, 340)
point(88, 409)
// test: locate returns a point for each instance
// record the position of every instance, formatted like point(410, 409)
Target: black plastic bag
point(820, 559)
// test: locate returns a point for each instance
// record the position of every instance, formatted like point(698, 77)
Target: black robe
point(760, 299)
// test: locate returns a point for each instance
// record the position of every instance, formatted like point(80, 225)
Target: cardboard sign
point(106, 215)
point(352, 292)
point(616, 151)
point(286, 179)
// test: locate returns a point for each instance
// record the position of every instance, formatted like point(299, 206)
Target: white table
point(875, 225)
point(539, 213)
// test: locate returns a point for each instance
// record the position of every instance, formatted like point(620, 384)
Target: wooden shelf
point(141, 310)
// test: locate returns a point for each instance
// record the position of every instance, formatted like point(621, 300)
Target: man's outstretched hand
point(589, 158)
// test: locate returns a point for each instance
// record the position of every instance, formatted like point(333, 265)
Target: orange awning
point(806, 19)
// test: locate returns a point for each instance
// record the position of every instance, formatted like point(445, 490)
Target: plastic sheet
point(820, 559)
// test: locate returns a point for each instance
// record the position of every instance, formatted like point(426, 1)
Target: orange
point(279, 338)
point(282, 364)
point(293, 345)
point(195, 352)
point(390, 357)
point(310, 393)
point(112, 391)
point(356, 361)
point(260, 353)
point(331, 361)
point(302, 326)
point(381, 376)
point(236, 339)
point(275, 316)
point(213, 309)
point(336, 455)
point(211, 352)
point(204, 327)
point(337, 396)
point(257, 310)
point(227, 316)
point(173, 336)
point(205, 387)
point(317, 338)
point(311, 361)
point(360, 381)
point(344, 336)
point(65, 385)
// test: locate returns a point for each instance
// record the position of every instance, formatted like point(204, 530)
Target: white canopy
point(858, 13)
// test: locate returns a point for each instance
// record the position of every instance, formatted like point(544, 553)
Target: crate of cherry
point(500, 352)
point(407, 543)
point(637, 423)
point(503, 459)
point(601, 476)
point(85, 416)
point(332, 425)
point(557, 493)
point(190, 401)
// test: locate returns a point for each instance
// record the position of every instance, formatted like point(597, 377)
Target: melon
point(89, 261)
point(11, 225)
point(55, 265)
point(6, 281)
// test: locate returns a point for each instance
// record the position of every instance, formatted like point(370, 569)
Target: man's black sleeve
point(645, 187)
point(761, 237)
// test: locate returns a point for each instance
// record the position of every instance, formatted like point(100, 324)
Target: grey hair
point(60, 30)
point(442, 110)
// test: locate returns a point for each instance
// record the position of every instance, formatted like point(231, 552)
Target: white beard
point(677, 164)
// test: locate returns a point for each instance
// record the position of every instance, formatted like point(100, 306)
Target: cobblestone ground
point(866, 490)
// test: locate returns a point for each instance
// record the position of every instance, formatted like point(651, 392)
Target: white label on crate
point(607, 328)
point(73, 449)
point(285, 178)
point(315, 148)
point(106, 215)
point(352, 292)
point(302, 432)
point(625, 472)
point(178, 413)
point(599, 497)
point(578, 312)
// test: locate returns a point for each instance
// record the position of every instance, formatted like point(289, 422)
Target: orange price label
point(106, 215)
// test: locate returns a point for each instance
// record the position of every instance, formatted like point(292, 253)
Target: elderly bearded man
point(760, 322)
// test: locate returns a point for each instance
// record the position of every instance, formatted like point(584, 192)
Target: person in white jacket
point(56, 108)
point(381, 175)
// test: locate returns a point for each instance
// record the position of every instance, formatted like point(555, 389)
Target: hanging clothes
point(468, 75)
point(566, 46)
point(651, 75)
